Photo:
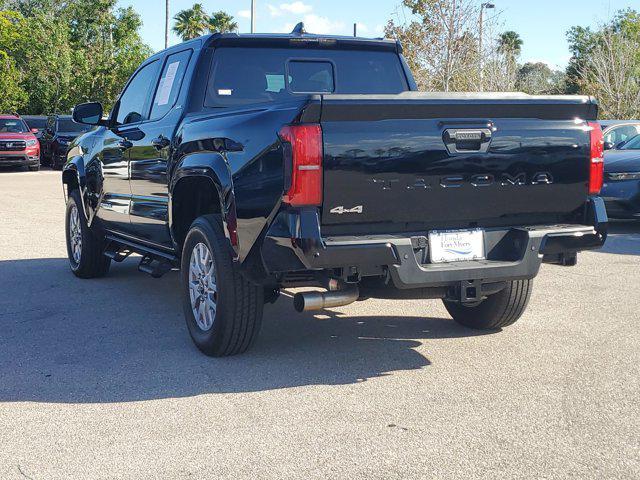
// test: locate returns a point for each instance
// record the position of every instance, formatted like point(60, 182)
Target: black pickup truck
point(255, 163)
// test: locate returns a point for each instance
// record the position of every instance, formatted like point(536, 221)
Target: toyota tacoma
point(255, 163)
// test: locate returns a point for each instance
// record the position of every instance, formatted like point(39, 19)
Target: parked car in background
point(38, 122)
point(19, 146)
point(618, 131)
point(58, 134)
point(621, 190)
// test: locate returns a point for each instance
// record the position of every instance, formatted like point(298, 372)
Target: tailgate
point(413, 161)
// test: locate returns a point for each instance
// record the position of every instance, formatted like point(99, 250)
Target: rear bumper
point(294, 243)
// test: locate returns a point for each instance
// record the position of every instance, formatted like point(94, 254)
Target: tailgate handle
point(467, 140)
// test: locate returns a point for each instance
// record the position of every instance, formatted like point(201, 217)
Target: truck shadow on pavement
point(123, 338)
point(623, 238)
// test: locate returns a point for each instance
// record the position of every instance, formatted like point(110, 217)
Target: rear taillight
point(303, 160)
point(596, 165)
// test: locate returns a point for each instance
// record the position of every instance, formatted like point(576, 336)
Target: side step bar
point(154, 262)
point(154, 267)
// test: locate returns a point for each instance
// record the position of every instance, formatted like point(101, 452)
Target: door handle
point(160, 142)
point(125, 144)
point(467, 140)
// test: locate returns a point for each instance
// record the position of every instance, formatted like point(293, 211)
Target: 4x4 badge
point(341, 210)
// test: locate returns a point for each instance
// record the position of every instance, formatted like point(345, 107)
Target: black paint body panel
point(384, 152)
point(402, 175)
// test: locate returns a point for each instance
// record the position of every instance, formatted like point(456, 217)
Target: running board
point(154, 262)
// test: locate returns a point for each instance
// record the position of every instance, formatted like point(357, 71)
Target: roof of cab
point(289, 39)
point(9, 116)
point(285, 40)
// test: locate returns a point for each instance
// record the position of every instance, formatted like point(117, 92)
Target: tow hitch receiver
point(470, 291)
point(473, 291)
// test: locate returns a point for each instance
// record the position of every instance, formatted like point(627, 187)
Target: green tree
point(510, 43)
point(192, 22)
point(605, 63)
point(509, 46)
point(106, 49)
point(222, 22)
point(29, 8)
point(47, 63)
point(67, 52)
point(538, 79)
point(441, 42)
point(12, 30)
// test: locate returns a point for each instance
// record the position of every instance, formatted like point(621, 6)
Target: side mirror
point(34, 130)
point(88, 113)
point(608, 145)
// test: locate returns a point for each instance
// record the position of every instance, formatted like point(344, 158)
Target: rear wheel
point(222, 308)
point(497, 311)
point(84, 248)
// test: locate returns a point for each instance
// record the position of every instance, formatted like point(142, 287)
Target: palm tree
point(510, 43)
point(192, 22)
point(222, 22)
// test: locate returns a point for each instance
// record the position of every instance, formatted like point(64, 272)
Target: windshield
point(12, 125)
point(632, 144)
point(69, 125)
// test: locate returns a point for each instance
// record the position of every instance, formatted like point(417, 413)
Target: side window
point(51, 124)
point(170, 82)
point(621, 134)
point(135, 97)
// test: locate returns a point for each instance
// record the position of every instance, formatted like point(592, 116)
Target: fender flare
point(213, 166)
point(73, 173)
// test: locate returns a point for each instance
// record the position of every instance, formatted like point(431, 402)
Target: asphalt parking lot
point(99, 378)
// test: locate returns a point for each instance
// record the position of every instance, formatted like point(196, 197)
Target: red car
point(18, 144)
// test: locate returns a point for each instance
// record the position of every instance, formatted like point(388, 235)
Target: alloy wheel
point(203, 290)
point(75, 234)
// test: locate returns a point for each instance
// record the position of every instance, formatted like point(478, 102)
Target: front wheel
point(497, 311)
point(223, 309)
point(84, 248)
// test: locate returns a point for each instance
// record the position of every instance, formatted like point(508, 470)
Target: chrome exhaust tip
point(308, 301)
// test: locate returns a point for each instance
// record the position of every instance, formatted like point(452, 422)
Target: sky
point(542, 24)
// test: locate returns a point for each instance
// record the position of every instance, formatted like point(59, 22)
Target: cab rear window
point(241, 76)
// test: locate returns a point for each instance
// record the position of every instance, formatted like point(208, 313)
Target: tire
point(90, 261)
point(34, 168)
point(232, 327)
point(497, 311)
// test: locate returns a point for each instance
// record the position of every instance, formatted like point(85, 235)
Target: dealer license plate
point(456, 245)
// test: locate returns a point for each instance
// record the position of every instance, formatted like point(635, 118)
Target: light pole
point(253, 16)
point(486, 5)
point(166, 25)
